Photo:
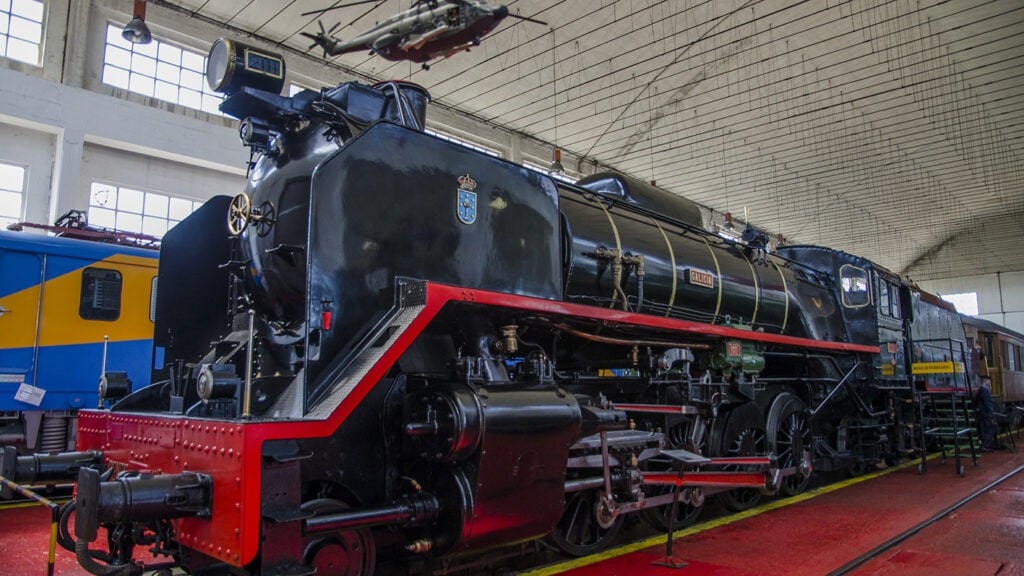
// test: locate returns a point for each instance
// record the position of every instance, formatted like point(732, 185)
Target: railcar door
point(21, 285)
point(890, 330)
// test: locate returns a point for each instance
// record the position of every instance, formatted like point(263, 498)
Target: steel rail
point(878, 550)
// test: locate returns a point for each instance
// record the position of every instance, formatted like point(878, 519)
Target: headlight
point(233, 65)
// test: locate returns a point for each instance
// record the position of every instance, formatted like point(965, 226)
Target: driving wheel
point(789, 438)
point(742, 434)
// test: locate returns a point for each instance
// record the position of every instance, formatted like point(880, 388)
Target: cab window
point(854, 282)
point(101, 295)
point(888, 299)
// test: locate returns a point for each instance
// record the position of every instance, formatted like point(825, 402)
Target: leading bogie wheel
point(580, 531)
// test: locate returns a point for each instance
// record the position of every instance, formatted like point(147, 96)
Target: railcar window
point(854, 282)
point(1007, 357)
point(990, 352)
point(1017, 357)
point(21, 30)
point(101, 295)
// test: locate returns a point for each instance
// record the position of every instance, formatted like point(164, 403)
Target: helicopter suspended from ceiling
point(429, 29)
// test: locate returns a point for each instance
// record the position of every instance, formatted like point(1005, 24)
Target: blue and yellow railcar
point(69, 309)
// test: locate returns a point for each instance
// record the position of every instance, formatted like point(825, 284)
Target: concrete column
point(67, 169)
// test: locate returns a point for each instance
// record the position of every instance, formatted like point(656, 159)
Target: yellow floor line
point(714, 523)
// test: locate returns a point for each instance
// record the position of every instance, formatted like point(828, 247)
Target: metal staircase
point(949, 425)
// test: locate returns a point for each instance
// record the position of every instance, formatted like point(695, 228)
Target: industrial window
point(12, 192)
point(158, 69)
point(129, 210)
point(965, 302)
point(21, 30)
point(465, 143)
point(854, 282)
point(101, 294)
point(564, 177)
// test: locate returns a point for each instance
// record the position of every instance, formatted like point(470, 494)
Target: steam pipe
point(417, 509)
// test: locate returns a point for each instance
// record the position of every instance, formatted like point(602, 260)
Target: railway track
point(910, 532)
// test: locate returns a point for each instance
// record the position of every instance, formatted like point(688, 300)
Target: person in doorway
point(977, 358)
point(986, 416)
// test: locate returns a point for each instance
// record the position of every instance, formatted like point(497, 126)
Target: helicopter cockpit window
point(854, 282)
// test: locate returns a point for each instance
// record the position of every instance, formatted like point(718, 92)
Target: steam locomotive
point(420, 351)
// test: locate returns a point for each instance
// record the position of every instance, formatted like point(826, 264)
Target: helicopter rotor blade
point(346, 5)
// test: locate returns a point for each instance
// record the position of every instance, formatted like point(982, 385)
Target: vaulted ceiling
point(890, 129)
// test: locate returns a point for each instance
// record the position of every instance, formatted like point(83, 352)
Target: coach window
point(990, 351)
point(101, 294)
point(854, 281)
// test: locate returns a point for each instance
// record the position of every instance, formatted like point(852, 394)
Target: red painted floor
point(811, 537)
point(821, 534)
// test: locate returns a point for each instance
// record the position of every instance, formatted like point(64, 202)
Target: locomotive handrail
point(833, 392)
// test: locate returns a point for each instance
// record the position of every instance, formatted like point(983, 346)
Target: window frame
point(162, 65)
point(844, 291)
point(88, 291)
point(463, 142)
point(144, 215)
point(22, 197)
point(6, 36)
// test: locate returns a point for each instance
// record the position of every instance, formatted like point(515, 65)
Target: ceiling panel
point(891, 129)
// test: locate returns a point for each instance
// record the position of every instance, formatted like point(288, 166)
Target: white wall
point(33, 149)
point(1000, 296)
point(151, 173)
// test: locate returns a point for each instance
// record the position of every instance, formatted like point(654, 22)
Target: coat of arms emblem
point(465, 206)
